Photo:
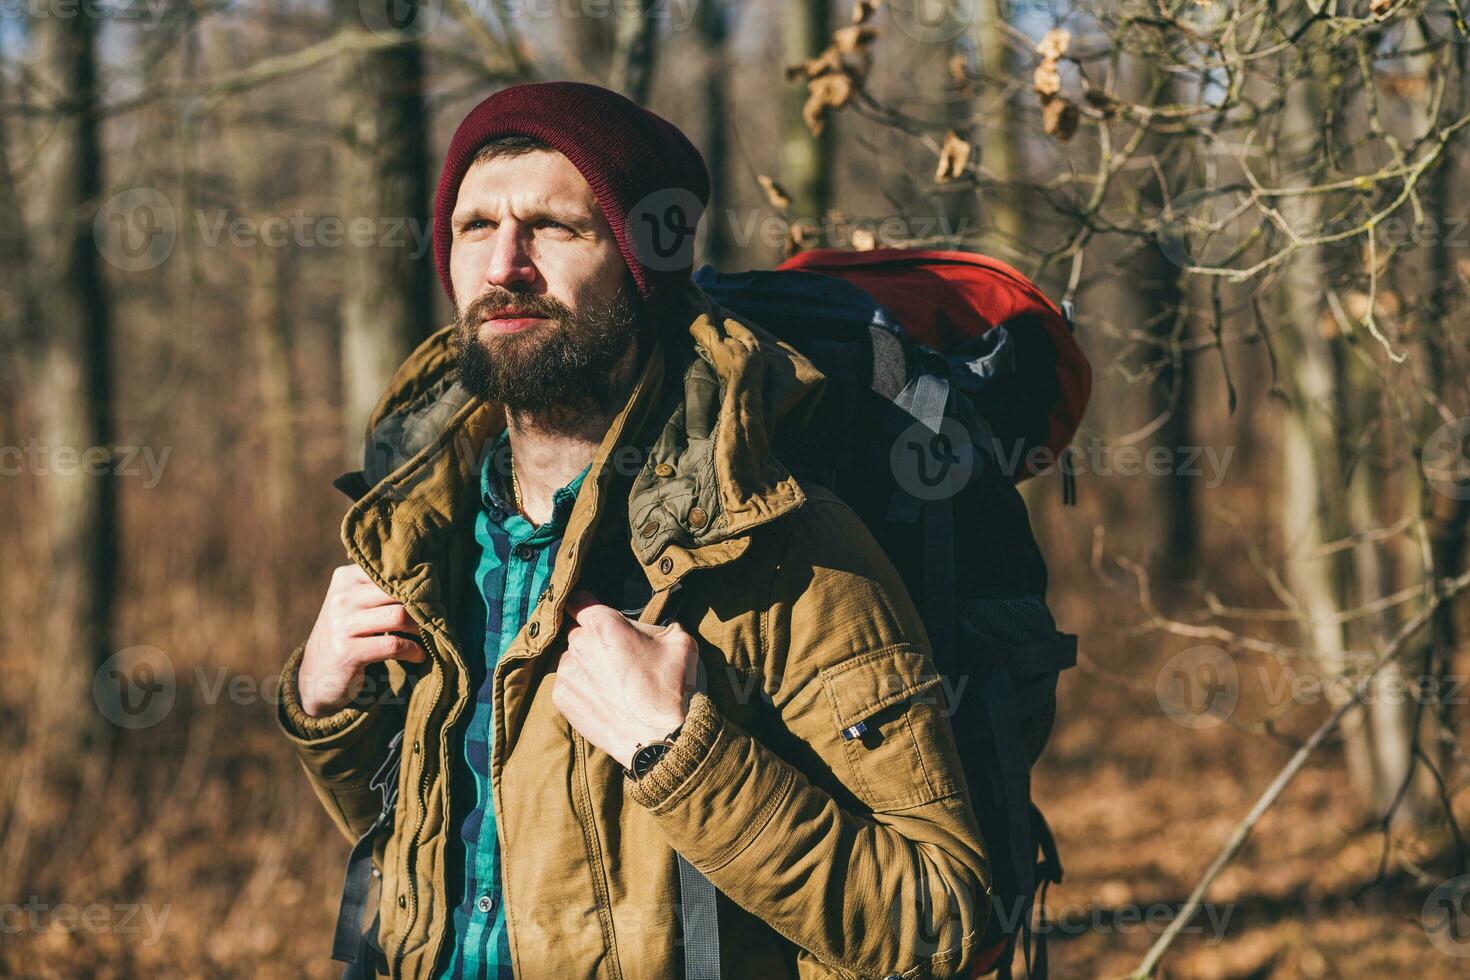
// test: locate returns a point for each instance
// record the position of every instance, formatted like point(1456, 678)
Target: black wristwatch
point(646, 756)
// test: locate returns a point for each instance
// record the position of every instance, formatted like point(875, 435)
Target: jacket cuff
point(694, 746)
point(302, 726)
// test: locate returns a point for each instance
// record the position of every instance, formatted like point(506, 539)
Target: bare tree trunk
point(589, 44)
point(714, 30)
point(808, 163)
point(1315, 509)
point(387, 299)
point(20, 326)
point(1000, 133)
point(634, 47)
point(1159, 297)
point(75, 390)
point(269, 285)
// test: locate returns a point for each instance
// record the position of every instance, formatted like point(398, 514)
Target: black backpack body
point(901, 436)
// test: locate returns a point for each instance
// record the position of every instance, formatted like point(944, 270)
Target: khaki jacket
point(833, 856)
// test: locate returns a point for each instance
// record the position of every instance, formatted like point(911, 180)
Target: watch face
point(644, 758)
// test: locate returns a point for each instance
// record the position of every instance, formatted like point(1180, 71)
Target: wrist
point(646, 754)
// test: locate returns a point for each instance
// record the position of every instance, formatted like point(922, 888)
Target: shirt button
point(698, 518)
point(485, 903)
point(524, 552)
point(649, 529)
point(497, 515)
point(663, 469)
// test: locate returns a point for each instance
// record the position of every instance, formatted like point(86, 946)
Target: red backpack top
point(944, 298)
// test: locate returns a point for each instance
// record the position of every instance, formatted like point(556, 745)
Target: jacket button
point(666, 565)
point(533, 629)
point(649, 529)
point(698, 518)
point(663, 469)
point(403, 901)
point(415, 747)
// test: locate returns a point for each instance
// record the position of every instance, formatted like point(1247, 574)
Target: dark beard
point(562, 367)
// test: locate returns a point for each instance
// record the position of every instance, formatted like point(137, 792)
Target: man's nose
point(511, 263)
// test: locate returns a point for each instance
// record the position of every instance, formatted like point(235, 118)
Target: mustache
point(494, 301)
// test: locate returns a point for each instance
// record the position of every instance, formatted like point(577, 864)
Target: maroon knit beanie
point(650, 181)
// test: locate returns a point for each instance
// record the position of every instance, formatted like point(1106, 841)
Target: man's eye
point(555, 226)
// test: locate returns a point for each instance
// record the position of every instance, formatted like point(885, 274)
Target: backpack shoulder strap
point(698, 910)
point(349, 942)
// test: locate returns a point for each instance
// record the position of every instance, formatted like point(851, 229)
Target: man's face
point(546, 305)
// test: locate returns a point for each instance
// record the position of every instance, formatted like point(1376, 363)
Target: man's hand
point(622, 683)
point(351, 632)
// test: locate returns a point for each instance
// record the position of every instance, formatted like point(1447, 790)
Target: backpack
point(950, 378)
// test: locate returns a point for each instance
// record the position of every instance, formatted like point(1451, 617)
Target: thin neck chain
point(515, 485)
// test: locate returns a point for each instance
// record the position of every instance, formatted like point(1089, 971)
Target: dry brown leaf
point(1054, 44)
point(959, 68)
point(829, 61)
point(795, 240)
point(1047, 81)
point(823, 94)
point(775, 193)
point(1059, 118)
point(863, 240)
point(849, 40)
point(1380, 6)
point(864, 9)
point(953, 155)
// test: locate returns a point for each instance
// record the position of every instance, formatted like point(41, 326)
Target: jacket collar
point(686, 462)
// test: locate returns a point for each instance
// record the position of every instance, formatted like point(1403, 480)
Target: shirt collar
point(497, 495)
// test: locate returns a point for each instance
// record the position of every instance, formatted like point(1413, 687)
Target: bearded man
point(766, 786)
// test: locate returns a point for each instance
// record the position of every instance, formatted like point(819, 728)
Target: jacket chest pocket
point(889, 716)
